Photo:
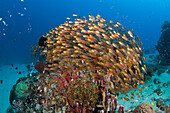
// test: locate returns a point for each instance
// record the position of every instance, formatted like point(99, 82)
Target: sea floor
point(151, 94)
point(158, 86)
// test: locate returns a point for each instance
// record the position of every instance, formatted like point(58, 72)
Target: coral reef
point(23, 93)
point(163, 44)
point(103, 51)
point(144, 108)
point(87, 63)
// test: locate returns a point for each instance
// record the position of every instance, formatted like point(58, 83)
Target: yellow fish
point(152, 104)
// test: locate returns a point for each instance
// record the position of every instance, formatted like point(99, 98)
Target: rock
point(160, 71)
point(151, 56)
point(163, 45)
point(149, 72)
point(166, 108)
point(156, 81)
point(158, 92)
point(168, 71)
point(147, 78)
point(153, 99)
point(144, 108)
point(159, 102)
point(11, 109)
point(165, 85)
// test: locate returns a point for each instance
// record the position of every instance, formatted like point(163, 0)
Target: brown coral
point(82, 91)
point(144, 108)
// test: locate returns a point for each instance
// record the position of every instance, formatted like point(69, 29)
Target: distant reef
point(163, 44)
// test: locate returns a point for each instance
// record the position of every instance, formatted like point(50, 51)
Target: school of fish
point(99, 48)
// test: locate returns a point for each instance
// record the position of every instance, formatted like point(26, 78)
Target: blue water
point(26, 20)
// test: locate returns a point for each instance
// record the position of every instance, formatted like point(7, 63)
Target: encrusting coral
point(144, 108)
point(22, 89)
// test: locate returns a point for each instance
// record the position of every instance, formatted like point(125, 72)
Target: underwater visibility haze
point(85, 56)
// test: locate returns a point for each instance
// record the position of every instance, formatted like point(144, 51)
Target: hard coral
point(82, 91)
point(144, 108)
point(22, 89)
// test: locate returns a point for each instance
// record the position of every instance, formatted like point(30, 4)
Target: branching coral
point(82, 91)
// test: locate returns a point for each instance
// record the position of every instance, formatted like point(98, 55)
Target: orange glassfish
point(110, 21)
point(139, 40)
point(126, 99)
point(124, 37)
point(140, 89)
point(144, 59)
point(134, 79)
point(137, 94)
point(130, 34)
point(118, 89)
point(132, 93)
point(124, 89)
point(126, 94)
point(93, 44)
point(141, 82)
point(118, 23)
point(74, 14)
point(53, 68)
point(123, 99)
point(123, 28)
point(134, 86)
point(131, 97)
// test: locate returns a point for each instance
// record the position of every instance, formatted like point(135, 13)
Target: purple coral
point(39, 66)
